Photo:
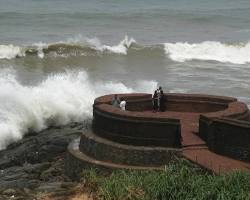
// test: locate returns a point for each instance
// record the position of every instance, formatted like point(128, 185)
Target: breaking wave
point(238, 53)
point(58, 100)
point(72, 47)
point(11, 51)
point(209, 50)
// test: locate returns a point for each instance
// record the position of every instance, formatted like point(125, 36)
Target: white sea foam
point(146, 86)
point(11, 51)
point(180, 52)
point(178, 90)
point(58, 100)
point(40, 46)
point(121, 48)
point(209, 50)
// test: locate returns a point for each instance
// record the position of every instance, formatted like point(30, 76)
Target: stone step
point(109, 151)
point(77, 161)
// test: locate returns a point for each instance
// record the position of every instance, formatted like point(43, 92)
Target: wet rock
point(36, 168)
point(22, 176)
point(40, 147)
point(54, 172)
point(13, 194)
point(35, 164)
point(50, 187)
point(9, 192)
point(20, 183)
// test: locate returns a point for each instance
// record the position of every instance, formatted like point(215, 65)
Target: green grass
point(179, 181)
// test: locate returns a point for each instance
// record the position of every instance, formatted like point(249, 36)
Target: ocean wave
point(238, 53)
point(209, 50)
point(72, 47)
point(58, 100)
point(121, 48)
point(11, 51)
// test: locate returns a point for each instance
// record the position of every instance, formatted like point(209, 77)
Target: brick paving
point(196, 150)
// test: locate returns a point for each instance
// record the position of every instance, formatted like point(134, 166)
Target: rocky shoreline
point(33, 167)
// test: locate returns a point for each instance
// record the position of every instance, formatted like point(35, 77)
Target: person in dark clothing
point(162, 100)
point(116, 101)
point(154, 101)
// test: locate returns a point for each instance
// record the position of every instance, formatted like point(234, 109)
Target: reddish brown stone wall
point(177, 105)
point(194, 106)
point(235, 110)
point(174, 102)
point(230, 137)
point(139, 105)
point(129, 97)
point(135, 127)
point(129, 128)
point(201, 98)
point(137, 138)
point(109, 151)
point(197, 103)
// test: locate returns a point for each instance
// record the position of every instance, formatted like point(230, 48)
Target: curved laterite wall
point(236, 110)
point(131, 128)
point(230, 137)
point(137, 126)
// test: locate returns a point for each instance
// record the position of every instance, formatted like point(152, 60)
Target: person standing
point(116, 101)
point(123, 105)
point(155, 101)
point(162, 100)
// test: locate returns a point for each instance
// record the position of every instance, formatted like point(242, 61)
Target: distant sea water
point(57, 56)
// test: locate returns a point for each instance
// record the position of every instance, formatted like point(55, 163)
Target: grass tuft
point(179, 181)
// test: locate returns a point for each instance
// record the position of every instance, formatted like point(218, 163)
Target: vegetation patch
point(179, 181)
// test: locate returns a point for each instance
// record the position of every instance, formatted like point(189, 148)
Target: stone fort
point(211, 131)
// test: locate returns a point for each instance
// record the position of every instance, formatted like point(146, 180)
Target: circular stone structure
point(139, 138)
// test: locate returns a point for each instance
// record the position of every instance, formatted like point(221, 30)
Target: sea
point(56, 56)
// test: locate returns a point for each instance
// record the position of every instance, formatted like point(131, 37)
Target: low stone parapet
point(134, 128)
point(230, 137)
point(235, 110)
